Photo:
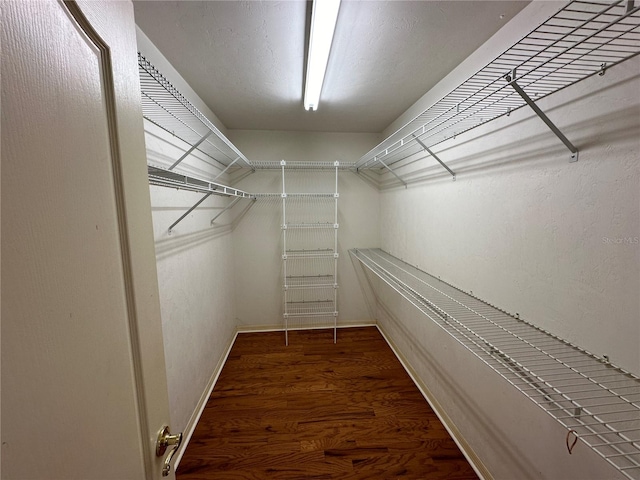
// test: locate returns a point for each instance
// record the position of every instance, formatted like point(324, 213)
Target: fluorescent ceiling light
point(323, 24)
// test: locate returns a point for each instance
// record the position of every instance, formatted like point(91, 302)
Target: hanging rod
point(162, 177)
point(166, 178)
point(582, 39)
point(184, 215)
point(166, 107)
point(596, 401)
point(228, 207)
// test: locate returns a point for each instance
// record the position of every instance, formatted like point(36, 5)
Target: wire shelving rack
point(162, 177)
point(166, 178)
point(309, 255)
point(597, 402)
point(164, 106)
point(584, 38)
point(302, 165)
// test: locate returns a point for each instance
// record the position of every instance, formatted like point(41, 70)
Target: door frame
point(117, 44)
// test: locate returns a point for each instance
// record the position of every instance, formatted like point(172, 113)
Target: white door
point(83, 375)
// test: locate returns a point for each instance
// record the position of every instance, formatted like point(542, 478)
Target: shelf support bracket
point(630, 5)
point(394, 173)
point(188, 212)
point(511, 78)
point(226, 168)
point(231, 204)
point(428, 150)
point(188, 152)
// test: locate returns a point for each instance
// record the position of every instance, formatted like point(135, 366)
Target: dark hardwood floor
point(315, 410)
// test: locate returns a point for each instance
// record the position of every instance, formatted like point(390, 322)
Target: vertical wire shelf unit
point(584, 38)
point(164, 106)
point(310, 255)
point(597, 402)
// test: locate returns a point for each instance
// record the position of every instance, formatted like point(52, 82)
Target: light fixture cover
point(323, 24)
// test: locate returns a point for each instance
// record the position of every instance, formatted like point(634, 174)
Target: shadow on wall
point(464, 401)
point(156, 142)
point(366, 286)
point(177, 244)
point(258, 215)
point(610, 123)
point(240, 216)
point(613, 127)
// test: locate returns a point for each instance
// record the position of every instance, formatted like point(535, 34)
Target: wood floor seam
point(319, 410)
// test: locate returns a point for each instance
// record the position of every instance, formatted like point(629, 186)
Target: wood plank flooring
point(318, 410)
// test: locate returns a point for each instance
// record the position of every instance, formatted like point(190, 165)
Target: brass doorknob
point(165, 440)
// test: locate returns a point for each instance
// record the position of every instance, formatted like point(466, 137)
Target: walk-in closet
point(416, 258)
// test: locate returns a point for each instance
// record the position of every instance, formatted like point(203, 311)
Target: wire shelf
point(309, 242)
point(310, 210)
point(310, 266)
point(322, 308)
point(296, 195)
point(307, 253)
point(166, 107)
point(315, 281)
point(310, 247)
point(166, 178)
point(272, 165)
point(310, 196)
point(582, 39)
point(310, 225)
point(598, 402)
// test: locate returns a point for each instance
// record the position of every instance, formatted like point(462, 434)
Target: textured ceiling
point(246, 58)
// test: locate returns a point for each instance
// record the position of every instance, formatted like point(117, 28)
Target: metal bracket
point(188, 212)
point(188, 152)
point(603, 69)
point(511, 78)
point(394, 173)
point(226, 168)
point(428, 150)
point(231, 204)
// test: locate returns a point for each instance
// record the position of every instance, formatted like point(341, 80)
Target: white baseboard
point(464, 447)
point(469, 454)
point(280, 328)
point(195, 417)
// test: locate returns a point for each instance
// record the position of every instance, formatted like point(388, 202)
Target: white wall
point(526, 230)
point(195, 277)
point(195, 267)
point(257, 247)
point(521, 227)
point(512, 437)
